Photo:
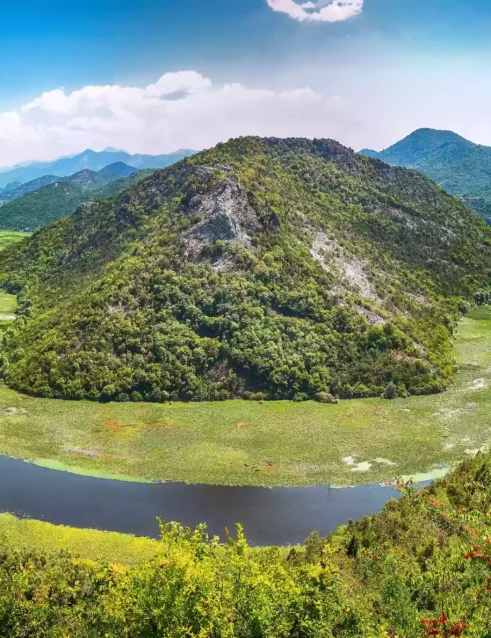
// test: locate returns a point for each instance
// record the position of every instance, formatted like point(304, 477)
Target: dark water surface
point(278, 516)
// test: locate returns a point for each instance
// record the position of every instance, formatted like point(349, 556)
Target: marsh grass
point(36, 536)
point(268, 443)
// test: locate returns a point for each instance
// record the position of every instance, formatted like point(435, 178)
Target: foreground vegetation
point(269, 443)
point(263, 269)
point(420, 568)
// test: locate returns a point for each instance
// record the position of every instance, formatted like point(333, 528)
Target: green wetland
point(264, 443)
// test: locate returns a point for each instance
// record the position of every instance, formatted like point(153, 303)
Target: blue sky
point(394, 66)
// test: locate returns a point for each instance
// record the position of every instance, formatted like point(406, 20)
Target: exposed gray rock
point(227, 215)
point(334, 258)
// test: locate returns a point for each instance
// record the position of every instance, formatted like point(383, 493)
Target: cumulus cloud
point(179, 110)
point(334, 11)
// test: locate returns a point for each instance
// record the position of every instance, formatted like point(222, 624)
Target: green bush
point(391, 391)
point(419, 568)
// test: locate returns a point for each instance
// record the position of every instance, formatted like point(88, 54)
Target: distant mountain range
point(16, 189)
point(86, 179)
point(460, 166)
point(91, 160)
point(46, 199)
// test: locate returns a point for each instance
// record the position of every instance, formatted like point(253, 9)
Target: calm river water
point(278, 516)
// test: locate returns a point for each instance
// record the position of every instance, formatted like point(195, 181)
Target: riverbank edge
point(58, 466)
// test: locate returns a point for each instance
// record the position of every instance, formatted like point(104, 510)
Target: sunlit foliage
point(420, 568)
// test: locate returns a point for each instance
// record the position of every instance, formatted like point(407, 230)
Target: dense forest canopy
point(263, 268)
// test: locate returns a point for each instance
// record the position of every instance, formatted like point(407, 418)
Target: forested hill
point(86, 178)
point(262, 268)
point(461, 167)
point(23, 189)
point(60, 198)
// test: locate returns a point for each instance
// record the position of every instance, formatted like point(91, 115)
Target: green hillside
point(23, 189)
point(91, 180)
point(8, 237)
point(263, 268)
point(41, 207)
point(61, 198)
point(9, 187)
point(461, 167)
point(117, 186)
point(118, 170)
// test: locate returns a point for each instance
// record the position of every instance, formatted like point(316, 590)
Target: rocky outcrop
point(227, 215)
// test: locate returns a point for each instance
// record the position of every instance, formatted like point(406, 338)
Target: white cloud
point(347, 101)
point(180, 110)
point(335, 11)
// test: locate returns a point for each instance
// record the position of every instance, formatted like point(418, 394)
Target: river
point(270, 516)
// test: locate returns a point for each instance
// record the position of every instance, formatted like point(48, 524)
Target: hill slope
point(61, 198)
point(92, 180)
point(263, 267)
point(118, 170)
point(23, 189)
point(41, 207)
point(461, 167)
point(91, 160)
point(10, 186)
point(85, 178)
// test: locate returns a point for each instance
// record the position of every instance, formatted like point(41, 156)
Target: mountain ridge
point(87, 178)
point(458, 165)
point(262, 268)
point(88, 159)
point(60, 196)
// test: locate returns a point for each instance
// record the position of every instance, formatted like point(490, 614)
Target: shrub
point(325, 397)
point(391, 391)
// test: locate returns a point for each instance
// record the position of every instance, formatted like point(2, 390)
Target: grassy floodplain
point(8, 237)
point(8, 302)
point(270, 443)
point(36, 536)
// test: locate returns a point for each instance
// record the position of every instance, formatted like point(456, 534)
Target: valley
point(264, 443)
point(245, 366)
